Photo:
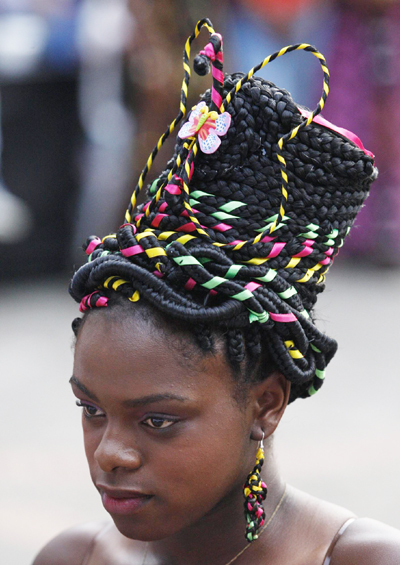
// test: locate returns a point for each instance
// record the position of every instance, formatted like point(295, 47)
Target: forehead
point(130, 355)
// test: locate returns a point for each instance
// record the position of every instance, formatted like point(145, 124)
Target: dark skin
point(161, 418)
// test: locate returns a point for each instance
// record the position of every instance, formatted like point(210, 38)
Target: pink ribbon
point(222, 227)
point(130, 251)
point(173, 189)
point(209, 51)
point(190, 284)
point(157, 219)
point(276, 249)
point(92, 245)
point(131, 225)
point(252, 286)
point(85, 302)
point(283, 317)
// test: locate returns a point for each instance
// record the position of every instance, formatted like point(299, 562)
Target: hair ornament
point(209, 126)
point(241, 228)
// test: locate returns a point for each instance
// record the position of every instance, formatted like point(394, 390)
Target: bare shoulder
point(71, 546)
point(368, 542)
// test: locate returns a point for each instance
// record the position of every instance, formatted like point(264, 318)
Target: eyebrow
point(74, 381)
point(152, 399)
point(133, 403)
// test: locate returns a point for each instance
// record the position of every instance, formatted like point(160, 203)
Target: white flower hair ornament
point(209, 126)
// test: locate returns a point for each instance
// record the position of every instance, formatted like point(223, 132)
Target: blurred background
point(86, 89)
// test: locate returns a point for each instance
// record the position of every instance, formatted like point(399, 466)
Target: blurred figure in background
point(364, 57)
point(105, 30)
point(15, 217)
point(38, 81)
point(67, 135)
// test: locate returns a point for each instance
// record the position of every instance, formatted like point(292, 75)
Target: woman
point(198, 331)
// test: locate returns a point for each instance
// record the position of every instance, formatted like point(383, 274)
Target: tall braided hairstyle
point(243, 224)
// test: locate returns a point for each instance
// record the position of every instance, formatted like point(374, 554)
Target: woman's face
point(165, 440)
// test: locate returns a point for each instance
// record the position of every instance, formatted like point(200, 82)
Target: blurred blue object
point(37, 41)
point(61, 51)
point(252, 38)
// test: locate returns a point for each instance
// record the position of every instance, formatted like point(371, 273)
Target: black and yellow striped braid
point(205, 22)
point(294, 132)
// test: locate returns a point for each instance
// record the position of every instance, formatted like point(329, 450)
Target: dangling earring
point(255, 492)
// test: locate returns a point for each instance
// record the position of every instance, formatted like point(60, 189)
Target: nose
point(116, 452)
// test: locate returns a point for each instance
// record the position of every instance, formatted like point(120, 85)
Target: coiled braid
point(239, 239)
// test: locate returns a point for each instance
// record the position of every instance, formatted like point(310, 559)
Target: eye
point(158, 422)
point(89, 410)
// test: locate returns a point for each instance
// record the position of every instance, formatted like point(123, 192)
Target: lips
point(117, 501)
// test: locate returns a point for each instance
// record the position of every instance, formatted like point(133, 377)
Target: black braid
point(236, 348)
point(204, 337)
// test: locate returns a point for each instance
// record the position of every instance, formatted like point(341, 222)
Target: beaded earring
point(255, 492)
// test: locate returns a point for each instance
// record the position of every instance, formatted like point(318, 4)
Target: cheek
point(91, 439)
point(190, 483)
point(196, 477)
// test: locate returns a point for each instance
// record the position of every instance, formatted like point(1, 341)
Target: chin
point(141, 530)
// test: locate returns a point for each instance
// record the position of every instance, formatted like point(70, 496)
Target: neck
point(219, 535)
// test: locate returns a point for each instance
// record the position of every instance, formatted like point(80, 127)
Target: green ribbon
point(271, 274)
point(186, 260)
point(233, 271)
point(199, 193)
point(291, 291)
point(215, 281)
point(257, 317)
point(230, 206)
point(223, 216)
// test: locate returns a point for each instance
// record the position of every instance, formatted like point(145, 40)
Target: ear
point(270, 398)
